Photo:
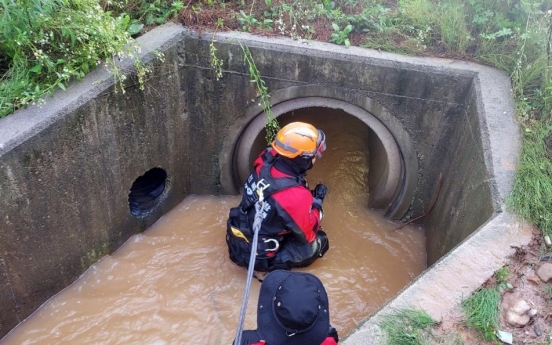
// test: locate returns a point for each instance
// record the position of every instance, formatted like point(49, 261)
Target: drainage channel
point(423, 118)
point(176, 276)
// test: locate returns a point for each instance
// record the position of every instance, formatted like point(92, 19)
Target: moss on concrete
point(94, 255)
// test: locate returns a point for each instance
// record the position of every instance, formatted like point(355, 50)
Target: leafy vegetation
point(406, 327)
point(502, 275)
point(272, 126)
point(248, 21)
point(341, 36)
point(532, 192)
point(481, 310)
point(44, 44)
point(134, 15)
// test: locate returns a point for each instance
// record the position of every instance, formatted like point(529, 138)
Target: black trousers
point(294, 254)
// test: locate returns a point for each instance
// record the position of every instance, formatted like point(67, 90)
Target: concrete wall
point(465, 200)
point(437, 107)
point(418, 96)
point(66, 167)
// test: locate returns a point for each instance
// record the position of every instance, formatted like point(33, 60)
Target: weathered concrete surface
point(10, 315)
point(464, 201)
point(481, 165)
point(416, 95)
point(66, 167)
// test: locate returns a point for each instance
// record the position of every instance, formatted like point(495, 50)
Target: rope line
point(259, 205)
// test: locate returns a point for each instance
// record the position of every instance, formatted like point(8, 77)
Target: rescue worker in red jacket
point(290, 234)
point(293, 309)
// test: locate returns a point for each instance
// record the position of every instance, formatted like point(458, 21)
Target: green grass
point(481, 311)
point(548, 290)
point(407, 327)
point(389, 42)
point(502, 275)
point(532, 193)
point(46, 43)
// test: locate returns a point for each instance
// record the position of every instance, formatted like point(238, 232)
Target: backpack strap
point(274, 184)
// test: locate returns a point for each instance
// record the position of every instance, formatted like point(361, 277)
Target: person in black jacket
point(293, 309)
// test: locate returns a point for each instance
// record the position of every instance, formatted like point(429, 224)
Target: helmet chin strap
point(311, 164)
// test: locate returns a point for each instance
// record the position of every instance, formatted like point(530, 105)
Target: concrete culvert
point(391, 179)
point(424, 118)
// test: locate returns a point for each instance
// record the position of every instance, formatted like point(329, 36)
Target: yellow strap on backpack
point(237, 232)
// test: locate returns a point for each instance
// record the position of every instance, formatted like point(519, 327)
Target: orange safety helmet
point(299, 139)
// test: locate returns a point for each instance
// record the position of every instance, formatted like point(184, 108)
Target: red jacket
point(292, 206)
point(252, 338)
point(327, 341)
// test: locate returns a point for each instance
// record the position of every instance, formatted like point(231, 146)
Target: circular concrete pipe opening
point(147, 191)
point(390, 182)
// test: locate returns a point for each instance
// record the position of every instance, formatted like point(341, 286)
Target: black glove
point(333, 333)
point(324, 245)
point(317, 204)
point(319, 192)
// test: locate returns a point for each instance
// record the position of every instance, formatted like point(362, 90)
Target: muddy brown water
point(174, 283)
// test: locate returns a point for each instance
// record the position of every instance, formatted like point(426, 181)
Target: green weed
point(548, 291)
point(372, 19)
point(531, 196)
point(388, 42)
point(143, 12)
point(295, 18)
point(340, 36)
point(415, 14)
point(45, 44)
point(502, 275)
point(481, 311)
point(158, 12)
point(453, 28)
point(272, 126)
point(248, 21)
point(406, 327)
point(216, 62)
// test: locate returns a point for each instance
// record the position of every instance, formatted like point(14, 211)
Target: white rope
point(259, 205)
